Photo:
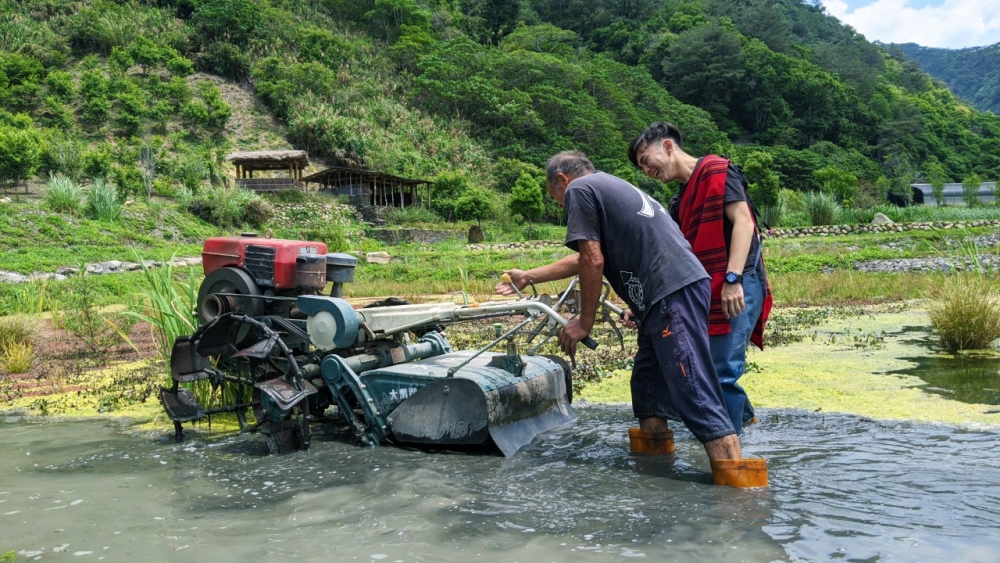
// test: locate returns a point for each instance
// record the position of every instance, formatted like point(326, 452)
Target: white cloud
point(953, 24)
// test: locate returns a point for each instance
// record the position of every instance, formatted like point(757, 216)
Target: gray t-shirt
point(646, 256)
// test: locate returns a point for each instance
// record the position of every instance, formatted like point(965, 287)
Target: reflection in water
point(965, 378)
point(969, 378)
point(841, 488)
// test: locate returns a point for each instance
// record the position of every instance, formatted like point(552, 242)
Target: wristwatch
point(733, 277)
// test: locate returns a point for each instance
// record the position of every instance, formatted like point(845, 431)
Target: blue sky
point(952, 24)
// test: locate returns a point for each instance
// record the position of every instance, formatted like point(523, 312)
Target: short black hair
point(653, 134)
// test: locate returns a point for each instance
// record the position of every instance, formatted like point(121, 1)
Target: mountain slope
point(973, 74)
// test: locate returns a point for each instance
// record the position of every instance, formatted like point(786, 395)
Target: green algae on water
point(830, 372)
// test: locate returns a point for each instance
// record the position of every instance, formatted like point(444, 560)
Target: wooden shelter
point(248, 162)
point(384, 190)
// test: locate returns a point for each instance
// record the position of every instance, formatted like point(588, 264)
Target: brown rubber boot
point(658, 443)
point(743, 473)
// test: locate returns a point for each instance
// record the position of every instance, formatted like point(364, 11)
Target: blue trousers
point(729, 352)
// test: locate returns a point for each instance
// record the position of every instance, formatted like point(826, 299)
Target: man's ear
point(668, 145)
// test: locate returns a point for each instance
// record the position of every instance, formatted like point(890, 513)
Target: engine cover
point(270, 262)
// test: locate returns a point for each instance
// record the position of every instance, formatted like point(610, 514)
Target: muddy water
point(843, 488)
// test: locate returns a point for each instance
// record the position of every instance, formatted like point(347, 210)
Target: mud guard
point(458, 411)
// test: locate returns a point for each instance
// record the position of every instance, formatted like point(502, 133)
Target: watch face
point(732, 277)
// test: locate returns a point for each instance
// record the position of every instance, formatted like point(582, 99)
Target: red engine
point(272, 263)
point(263, 275)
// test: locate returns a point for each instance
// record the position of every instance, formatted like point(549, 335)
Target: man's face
point(557, 189)
point(656, 159)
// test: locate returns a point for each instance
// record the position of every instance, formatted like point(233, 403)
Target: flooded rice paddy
point(842, 488)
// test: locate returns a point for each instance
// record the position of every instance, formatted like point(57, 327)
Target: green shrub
point(180, 66)
point(128, 180)
point(224, 59)
point(102, 201)
point(120, 60)
point(96, 110)
point(227, 207)
point(145, 52)
point(286, 196)
point(822, 208)
point(411, 215)
point(792, 201)
point(257, 212)
point(184, 196)
point(164, 187)
point(63, 195)
point(65, 156)
point(99, 331)
point(56, 114)
point(96, 161)
point(966, 315)
point(16, 357)
point(19, 328)
point(793, 220)
point(60, 84)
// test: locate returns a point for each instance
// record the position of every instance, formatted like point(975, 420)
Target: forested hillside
point(472, 93)
point(973, 73)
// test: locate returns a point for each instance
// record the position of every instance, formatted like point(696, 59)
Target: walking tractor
point(271, 343)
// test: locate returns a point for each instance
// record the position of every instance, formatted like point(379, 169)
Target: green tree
point(20, 154)
point(388, 16)
point(19, 81)
point(970, 189)
point(704, 68)
point(474, 204)
point(526, 199)
point(500, 18)
point(838, 183)
point(232, 21)
point(764, 186)
point(145, 52)
point(444, 192)
point(120, 60)
point(937, 179)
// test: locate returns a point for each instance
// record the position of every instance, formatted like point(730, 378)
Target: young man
point(624, 235)
point(714, 214)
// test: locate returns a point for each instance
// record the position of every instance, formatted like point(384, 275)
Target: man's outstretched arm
point(565, 267)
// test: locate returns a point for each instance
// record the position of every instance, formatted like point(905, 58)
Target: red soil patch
point(61, 359)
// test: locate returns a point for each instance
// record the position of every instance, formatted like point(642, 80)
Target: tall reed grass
point(822, 208)
point(966, 314)
point(168, 305)
point(18, 334)
point(15, 356)
point(102, 201)
point(63, 195)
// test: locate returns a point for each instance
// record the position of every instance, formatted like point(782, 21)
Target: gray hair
point(571, 163)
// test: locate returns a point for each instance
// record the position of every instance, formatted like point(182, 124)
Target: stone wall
point(823, 231)
point(420, 236)
point(837, 230)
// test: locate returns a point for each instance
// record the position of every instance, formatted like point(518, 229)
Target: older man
point(624, 235)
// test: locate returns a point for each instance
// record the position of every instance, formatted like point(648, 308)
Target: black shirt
point(646, 257)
